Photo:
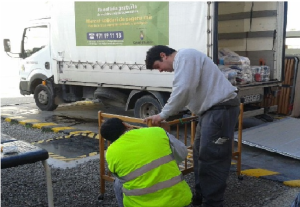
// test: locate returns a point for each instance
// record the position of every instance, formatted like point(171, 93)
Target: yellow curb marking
point(8, 119)
point(91, 135)
point(292, 183)
point(258, 172)
point(92, 153)
point(40, 125)
point(79, 132)
point(23, 122)
point(57, 157)
point(69, 159)
point(84, 102)
point(57, 129)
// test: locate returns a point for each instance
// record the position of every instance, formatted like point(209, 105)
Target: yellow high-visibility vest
point(142, 159)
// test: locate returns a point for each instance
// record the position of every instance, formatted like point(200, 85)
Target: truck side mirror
point(6, 43)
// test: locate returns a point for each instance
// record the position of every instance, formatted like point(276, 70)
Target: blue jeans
point(212, 153)
point(118, 192)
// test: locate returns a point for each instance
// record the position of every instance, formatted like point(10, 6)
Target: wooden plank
point(284, 99)
point(230, 7)
point(290, 79)
point(234, 7)
point(242, 25)
point(296, 104)
point(279, 110)
point(242, 35)
point(253, 44)
point(261, 6)
point(124, 118)
point(247, 15)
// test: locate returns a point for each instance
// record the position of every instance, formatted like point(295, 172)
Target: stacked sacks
point(236, 68)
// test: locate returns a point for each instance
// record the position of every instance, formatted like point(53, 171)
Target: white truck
point(96, 50)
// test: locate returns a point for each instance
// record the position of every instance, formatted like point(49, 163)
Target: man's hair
point(112, 129)
point(153, 54)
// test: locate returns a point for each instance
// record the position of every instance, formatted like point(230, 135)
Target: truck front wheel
point(44, 98)
point(146, 106)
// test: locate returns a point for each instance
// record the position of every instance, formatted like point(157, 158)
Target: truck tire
point(146, 106)
point(44, 98)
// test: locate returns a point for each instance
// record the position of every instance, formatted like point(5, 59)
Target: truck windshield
point(35, 39)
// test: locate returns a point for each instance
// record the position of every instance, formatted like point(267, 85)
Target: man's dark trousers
point(212, 153)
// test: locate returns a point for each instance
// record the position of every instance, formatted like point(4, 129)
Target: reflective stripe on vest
point(154, 188)
point(140, 171)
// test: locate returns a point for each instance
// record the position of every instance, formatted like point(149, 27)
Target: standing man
point(200, 86)
point(144, 162)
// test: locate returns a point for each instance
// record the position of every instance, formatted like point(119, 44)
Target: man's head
point(160, 57)
point(112, 129)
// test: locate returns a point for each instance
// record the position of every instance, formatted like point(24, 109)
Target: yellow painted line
point(40, 125)
point(54, 155)
point(91, 135)
point(233, 163)
point(292, 183)
point(57, 157)
point(69, 159)
point(97, 137)
point(258, 172)
point(79, 132)
point(8, 119)
point(82, 156)
point(57, 129)
point(92, 153)
point(23, 122)
point(83, 102)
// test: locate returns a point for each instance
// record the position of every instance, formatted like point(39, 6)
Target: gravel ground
point(79, 186)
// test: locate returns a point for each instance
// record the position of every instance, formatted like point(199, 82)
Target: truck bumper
point(24, 88)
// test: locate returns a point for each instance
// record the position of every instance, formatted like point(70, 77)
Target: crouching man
point(144, 162)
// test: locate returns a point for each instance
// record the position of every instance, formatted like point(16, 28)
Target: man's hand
point(156, 119)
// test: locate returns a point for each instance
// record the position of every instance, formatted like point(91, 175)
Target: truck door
point(35, 54)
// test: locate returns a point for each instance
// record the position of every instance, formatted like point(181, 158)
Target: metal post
point(49, 183)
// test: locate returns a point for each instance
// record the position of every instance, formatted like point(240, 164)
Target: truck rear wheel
point(146, 106)
point(44, 98)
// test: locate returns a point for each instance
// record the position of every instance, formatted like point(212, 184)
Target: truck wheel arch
point(135, 95)
point(35, 80)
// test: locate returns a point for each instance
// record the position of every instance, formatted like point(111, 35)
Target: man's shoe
point(197, 200)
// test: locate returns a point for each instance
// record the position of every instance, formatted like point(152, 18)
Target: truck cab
point(35, 58)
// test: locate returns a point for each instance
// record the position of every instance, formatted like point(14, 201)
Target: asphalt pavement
point(269, 180)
